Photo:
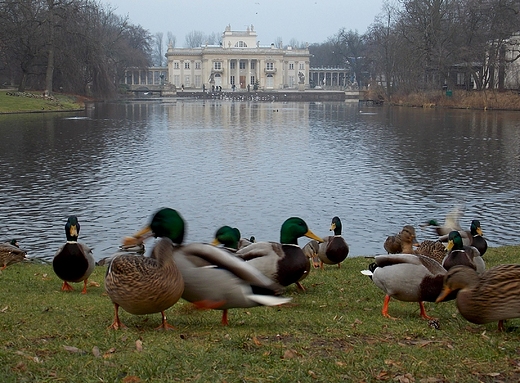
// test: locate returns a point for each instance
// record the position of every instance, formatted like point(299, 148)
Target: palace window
point(186, 65)
point(232, 80)
point(241, 44)
point(269, 66)
point(242, 65)
point(302, 66)
point(252, 80)
point(197, 65)
point(252, 65)
point(198, 81)
point(217, 65)
point(176, 65)
point(291, 66)
point(232, 65)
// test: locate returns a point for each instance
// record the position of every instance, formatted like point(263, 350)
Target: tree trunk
point(49, 74)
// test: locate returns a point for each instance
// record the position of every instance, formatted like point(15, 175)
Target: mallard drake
point(408, 278)
point(334, 249)
point(10, 253)
point(227, 236)
point(451, 222)
point(458, 254)
point(282, 262)
point(243, 242)
point(394, 243)
point(491, 296)
point(477, 239)
point(73, 262)
point(231, 239)
point(213, 277)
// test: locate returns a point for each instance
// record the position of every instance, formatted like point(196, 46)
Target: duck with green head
point(334, 249)
point(231, 239)
point(459, 254)
point(227, 236)
point(73, 262)
point(213, 277)
point(477, 239)
point(283, 262)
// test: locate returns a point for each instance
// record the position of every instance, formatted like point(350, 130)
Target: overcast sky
point(311, 21)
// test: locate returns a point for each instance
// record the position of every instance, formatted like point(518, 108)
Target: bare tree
point(194, 39)
point(171, 39)
point(158, 49)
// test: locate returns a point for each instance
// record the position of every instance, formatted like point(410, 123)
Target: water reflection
point(252, 165)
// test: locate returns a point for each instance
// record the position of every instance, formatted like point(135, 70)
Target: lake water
point(252, 165)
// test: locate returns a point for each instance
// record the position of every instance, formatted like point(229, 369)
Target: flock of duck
point(433, 272)
point(234, 272)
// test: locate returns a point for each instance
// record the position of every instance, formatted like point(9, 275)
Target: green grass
point(333, 332)
point(25, 103)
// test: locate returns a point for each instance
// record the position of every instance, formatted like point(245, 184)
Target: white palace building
point(238, 63)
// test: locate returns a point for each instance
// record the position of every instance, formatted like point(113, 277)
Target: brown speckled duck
point(73, 262)
point(394, 243)
point(10, 253)
point(146, 285)
point(491, 296)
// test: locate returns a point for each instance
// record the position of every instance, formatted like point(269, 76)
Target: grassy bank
point(484, 100)
point(17, 102)
point(333, 332)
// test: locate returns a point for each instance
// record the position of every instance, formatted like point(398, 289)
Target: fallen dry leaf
point(131, 379)
point(256, 341)
point(312, 374)
point(4, 309)
point(406, 378)
point(93, 284)
point(139, 345)
point(74, 350)
point(290, 354)
point(95, 351)
point(109, 353)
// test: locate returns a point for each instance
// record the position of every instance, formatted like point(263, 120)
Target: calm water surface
point(252, 165)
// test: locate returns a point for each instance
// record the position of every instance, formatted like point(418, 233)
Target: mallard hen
point(10, 253)
point(491, 296)
point(311, 252)
point(73, 262)
point(144, 285)
point(394, 243)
